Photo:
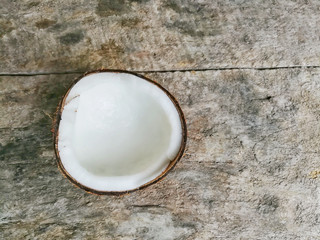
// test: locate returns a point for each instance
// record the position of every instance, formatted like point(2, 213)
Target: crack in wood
point(148, 206)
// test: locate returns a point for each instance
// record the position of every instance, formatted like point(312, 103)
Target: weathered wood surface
point(59, 36)
point(251, 168)
point(248, 172)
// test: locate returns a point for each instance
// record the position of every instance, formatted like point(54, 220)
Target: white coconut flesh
point(117, 132)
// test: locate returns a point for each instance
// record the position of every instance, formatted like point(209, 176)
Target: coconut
point(117, 131)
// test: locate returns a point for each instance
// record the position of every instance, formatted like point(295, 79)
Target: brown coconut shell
point(55, 131)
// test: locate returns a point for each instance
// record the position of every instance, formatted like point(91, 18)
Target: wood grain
point(248, 171)
point(146, 35)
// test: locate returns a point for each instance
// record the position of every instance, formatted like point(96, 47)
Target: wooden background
point(247, 76)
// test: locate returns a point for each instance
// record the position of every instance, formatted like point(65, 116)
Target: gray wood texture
point(59, 36)
point(251, 169)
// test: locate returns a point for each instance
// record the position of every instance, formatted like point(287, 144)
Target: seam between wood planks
point(169, 71)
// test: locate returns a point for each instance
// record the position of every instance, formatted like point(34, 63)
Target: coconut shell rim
point(171, 165)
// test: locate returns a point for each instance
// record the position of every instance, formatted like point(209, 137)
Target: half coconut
point(117, 131)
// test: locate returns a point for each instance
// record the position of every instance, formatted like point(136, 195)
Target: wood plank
point(60, 36)
point(248, 172)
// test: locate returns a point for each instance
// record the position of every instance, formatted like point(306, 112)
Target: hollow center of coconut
point(117, 131)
